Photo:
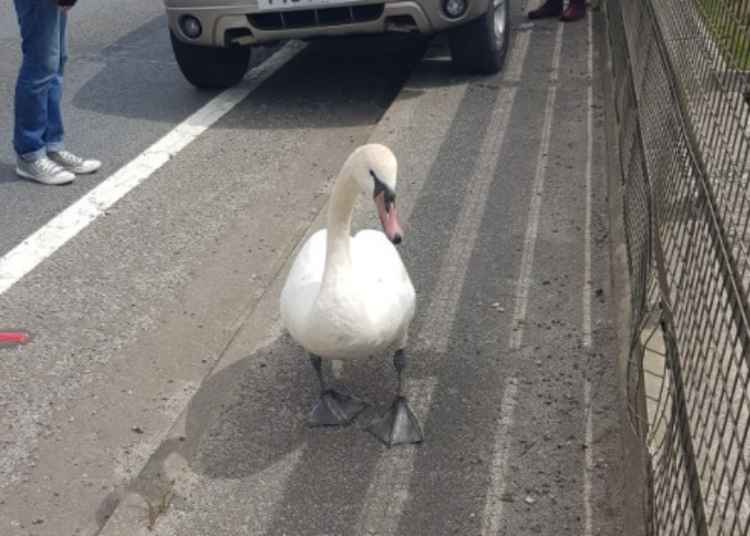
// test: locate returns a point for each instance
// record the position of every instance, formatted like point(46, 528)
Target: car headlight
point(190, 26)
point(454, 8)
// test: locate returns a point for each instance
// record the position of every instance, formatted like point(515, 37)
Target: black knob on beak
point(396, 239)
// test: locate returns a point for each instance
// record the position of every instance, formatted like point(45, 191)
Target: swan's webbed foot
point(398, 425)
point(335, 409)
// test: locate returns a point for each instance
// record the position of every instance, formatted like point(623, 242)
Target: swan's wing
point(303, 281)
point(310, 261)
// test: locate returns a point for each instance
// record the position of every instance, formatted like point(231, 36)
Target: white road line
point(589, 456)
point(22, 259)
point(514, 68)
point(455, 265)
point(389, 489)
point(493, 506)
point(588, 465)
point(589, 157)
point(337, 368)
point(532, 228)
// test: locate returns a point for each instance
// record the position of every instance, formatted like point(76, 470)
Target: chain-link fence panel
point(682, 96)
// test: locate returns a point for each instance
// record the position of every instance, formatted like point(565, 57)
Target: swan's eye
point(380, 188)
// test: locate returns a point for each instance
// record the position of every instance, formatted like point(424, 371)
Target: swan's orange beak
point(389, 218)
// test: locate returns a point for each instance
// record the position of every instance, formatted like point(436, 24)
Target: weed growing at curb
point(155, 510)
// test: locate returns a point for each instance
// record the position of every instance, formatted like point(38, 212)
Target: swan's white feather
point(303, 284)
point(366, 311)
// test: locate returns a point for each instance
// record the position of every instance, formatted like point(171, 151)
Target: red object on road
point(13, 337)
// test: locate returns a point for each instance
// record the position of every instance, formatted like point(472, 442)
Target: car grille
point(307, 18)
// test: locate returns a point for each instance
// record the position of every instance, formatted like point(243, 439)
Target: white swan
point(350, 297)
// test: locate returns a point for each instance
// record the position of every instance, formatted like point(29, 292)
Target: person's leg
point(39, 21)
point(576, 10)
point(550, 8)
point(55, 132)
point(40, 44)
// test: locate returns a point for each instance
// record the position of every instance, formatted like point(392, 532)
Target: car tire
point(480, 46)
point(211, 67)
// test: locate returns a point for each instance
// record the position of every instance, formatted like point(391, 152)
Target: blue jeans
point(38, 117)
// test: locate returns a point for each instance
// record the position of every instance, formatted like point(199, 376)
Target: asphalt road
point(159, 375)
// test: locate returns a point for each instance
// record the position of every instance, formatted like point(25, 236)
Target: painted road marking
point(22, 259)
point(493, 507)
point(588, 465)
point(589, 456)
point(337, 368)
point(532, 228)
point(389, 489)
point(589, 157)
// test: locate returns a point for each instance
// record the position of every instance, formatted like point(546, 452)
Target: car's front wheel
point(480, 46)
point(210, 67)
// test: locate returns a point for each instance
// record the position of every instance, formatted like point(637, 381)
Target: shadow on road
point(8, 173)
point(345, 77)
point(139, 79)
point(252, 414)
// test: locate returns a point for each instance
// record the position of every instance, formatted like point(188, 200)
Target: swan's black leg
point(398, 425)
point(334, 408)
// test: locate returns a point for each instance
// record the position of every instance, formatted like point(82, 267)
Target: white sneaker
point(43, 170)
point(74, 164)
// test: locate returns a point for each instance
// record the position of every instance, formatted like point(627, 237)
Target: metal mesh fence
point(682, 94)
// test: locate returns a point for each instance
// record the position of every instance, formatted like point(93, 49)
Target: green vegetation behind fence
point(729, 24)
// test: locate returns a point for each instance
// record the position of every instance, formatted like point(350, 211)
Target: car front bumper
point(241, 22)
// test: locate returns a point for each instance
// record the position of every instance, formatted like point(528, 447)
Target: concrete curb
point(634, 482)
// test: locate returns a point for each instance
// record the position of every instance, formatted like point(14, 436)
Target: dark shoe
point(551, 8)
point(576, 10)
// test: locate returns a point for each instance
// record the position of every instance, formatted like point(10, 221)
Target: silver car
point(212, 39)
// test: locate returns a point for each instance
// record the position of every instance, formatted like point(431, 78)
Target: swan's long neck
point(338, 246)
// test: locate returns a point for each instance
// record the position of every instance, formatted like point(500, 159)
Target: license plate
point(279, 5)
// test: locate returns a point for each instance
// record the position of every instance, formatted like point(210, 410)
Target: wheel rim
point(500, 20)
